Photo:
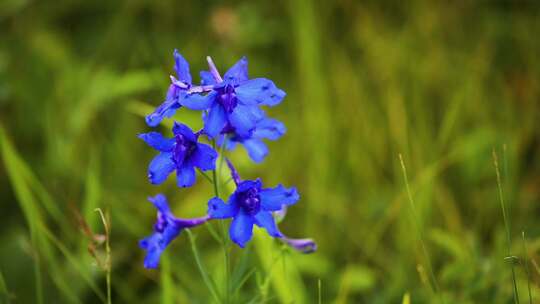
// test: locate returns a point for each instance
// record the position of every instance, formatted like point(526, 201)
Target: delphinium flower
point(233, 101)
point(166, 229)
point(178, 89)
point(182, 153)
point(251, 204)
point(231, 115)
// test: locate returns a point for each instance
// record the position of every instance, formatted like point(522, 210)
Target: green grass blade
point(167, 287)
point(419, 232)
point(208, 281)
point(29, 206)
point(506, 224)
point(4, 293)
point(75, 262)
point(526, 265)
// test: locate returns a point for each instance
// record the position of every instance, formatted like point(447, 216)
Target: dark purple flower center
point(183, 149)
point(228, 129)
point(227, 97)
point(250, 201)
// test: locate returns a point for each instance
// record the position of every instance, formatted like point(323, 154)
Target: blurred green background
point(442, 84)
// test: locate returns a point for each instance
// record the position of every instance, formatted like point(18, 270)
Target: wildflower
point(178, 89)
point(265, 128)
point(233, 100)
point(251, 204)
point(182, 153)
point(166, 229)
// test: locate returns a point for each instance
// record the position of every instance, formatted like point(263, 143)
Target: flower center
point(227, 98)
point(250, 201)
point(183, 149)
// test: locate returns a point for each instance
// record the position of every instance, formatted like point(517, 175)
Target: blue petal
point(269, 128)
point(185, 131)
point(259, 91)
point(207, 78)
point(185, 175)
point(181, 67)
point(230, 143)
point(160, 167)
point(166, 109)
point(264, 219)
point(243, 120)
point(256, 148)
point(153, 251)
point(238, 72)
point(156, 244)
point(157, 141)
point(219, 210)
point(241, 228)
point(199, 102)
point(160, 202)
point(215, 120)
point(245, 185)
point(272, 199)
point(204, 157)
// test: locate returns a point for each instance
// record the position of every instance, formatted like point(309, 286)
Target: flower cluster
point(231, 112)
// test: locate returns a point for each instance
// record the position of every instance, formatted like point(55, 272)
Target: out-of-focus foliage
point(442, 84)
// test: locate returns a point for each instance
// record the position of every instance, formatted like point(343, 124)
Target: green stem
point(208, 178)
point(526, 266)
point(506, 224)
point(206, 277)
point(224, 239)
point(108, 263)
point(419, 232)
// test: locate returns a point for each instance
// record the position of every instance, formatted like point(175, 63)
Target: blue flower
point(265, 128)
point(233, 100)
point(166, 229)
point(182, 153)
point(251, 204)
point(178, 89)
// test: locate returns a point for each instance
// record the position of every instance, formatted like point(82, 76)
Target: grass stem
point(210, 284)
point(419, 232)
point(224, 238)
point(506, 224)
point(108, 261)
point(526, 265)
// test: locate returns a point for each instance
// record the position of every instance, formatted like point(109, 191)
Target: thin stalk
point(224, 239)
point(526, 265)
point(108, 263)
point(436, 287)
point(208, 178)
point(506, 224)
point(206, 278)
